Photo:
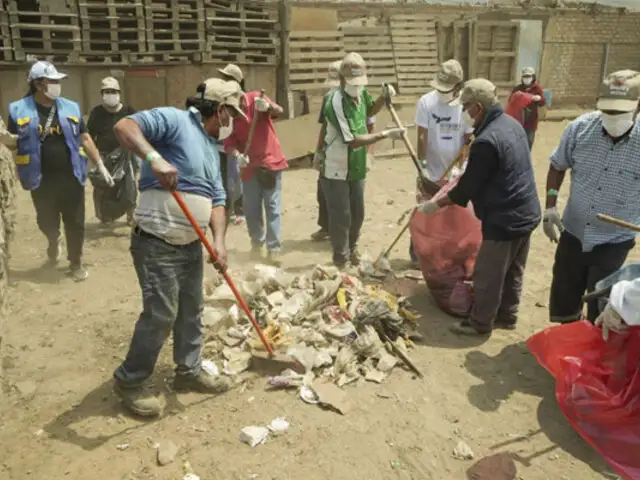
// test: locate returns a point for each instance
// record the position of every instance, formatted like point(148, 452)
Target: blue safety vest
point(25, 116)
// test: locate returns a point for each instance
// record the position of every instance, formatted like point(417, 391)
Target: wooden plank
point(365, 31)
point(331, 56)
point(294, 36)
point(496, 54)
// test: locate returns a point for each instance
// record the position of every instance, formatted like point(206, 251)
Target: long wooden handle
point(454, 163)
point(618, 222)
point(252, 128)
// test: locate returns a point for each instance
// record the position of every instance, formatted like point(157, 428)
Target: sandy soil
point(68, 338)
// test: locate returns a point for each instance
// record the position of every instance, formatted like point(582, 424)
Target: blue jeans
point(170, 278)
point(255, 197)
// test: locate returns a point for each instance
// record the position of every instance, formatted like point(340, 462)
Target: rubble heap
point(337, 328)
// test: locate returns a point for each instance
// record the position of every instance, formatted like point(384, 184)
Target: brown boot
point(202, 383)
point(138, 401)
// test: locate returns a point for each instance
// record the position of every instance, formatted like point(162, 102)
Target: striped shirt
point(605, 178)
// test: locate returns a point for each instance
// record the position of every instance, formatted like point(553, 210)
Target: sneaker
point(320, 235)
point(465, 328)
point(202, 383)
point(355, 258)
point(274, 258)
point(53, 252)
point(138, 401)
point(78, 272)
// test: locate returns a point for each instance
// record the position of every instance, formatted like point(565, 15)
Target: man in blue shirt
point(179, 147)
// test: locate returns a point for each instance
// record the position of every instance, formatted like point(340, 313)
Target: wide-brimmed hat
point(449, 76)
point(223, 92)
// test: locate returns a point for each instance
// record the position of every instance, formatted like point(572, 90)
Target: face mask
point(466, 119)
point(617, 125)
point(111, 99)
point(225, 130)
point(527, 81)
point(53, 90)
point(446, 97)
point(353, 91)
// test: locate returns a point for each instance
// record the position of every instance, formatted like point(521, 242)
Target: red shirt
point(531, 122)
point(517, 103)
point(265, 150)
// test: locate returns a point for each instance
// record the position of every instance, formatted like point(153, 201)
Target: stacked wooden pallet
point(310, 53)
point(6, 49)
point(111, 30)
point(374, 44)
point(415, 51)
point(36, 31)
point(175, 31)
point(241, 31)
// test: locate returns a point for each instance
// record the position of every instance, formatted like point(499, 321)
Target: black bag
point(112, 203)
point(266, 178)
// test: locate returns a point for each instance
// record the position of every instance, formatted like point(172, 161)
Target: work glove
point(106, 176)
point(262, 105)
point(454, 173)
point(318, 160)
point(394, 133)
point(550, 223)
point(610, 320)
point(243, 160)
point(536, 98)
point(388, 91)
point(429, 207)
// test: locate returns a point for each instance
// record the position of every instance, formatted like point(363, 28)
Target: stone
point(463, 451)
point(26, 389)
point(167, 451)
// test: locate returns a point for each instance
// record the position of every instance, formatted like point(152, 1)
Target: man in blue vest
point(51, 157)
point(180, 150)
point(499, 182)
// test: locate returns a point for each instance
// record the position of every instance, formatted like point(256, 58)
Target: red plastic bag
point(516, 105)
point(597, 387)
point(447, 244)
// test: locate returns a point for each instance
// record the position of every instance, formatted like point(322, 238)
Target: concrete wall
point(145, 87)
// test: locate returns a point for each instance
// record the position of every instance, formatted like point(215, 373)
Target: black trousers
point(575, 271)
point(323, 214)
point(61, 197)
point(237, 206)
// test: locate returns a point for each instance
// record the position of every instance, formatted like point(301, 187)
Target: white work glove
point(106, 176)
point(394, 133)
point(454, 173)
point(262, 105)
point(429, 207)
point(551, 222)
point(388, 90)
point(243, 160)
point(318, 160)
point(536, 98)
point(610, 320)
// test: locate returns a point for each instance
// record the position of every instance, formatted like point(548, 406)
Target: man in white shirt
point(442, 128)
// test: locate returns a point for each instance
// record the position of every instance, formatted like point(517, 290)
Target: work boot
point(465, 328)
point(320, 235)
point(138, 401)
point(53, 252)
point(274, 259)
point(355, 258)
point(78, 272)
point(504, 324)
point(202, 383)
point(257, 254)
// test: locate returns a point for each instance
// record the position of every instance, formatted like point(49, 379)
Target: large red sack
point(516, 105)
point(597, 387)
point(447, 245)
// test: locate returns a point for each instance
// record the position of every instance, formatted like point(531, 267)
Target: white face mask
point(53, 90)
point(111, 99)
point(618, 125)
point(446, 97)
point(225, 130)
point(527, 80)
point(353, 91)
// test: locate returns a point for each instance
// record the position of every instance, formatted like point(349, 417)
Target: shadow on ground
point(515, 369)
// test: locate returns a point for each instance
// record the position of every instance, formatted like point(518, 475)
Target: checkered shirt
point(605, 178)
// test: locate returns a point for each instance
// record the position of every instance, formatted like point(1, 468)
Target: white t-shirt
point(446, 129)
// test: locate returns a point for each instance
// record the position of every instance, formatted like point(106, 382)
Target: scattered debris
point(463, 452)
point(189, 473)
point(278, 426)
point(210, 367)
point(26, 389)
point(331, 396)
point(254, 436)
point(122, 447)
point(167, 451)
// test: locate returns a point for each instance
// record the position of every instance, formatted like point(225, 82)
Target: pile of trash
point(338, 329)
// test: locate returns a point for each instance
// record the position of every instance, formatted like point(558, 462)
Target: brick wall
point(574, 50)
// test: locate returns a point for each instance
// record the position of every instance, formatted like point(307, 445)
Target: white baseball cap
point(233, 71)
point(44, 70)
point(110, 83)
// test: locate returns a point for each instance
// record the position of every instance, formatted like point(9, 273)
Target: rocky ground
point(63, 340)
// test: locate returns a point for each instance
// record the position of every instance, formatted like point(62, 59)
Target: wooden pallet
point(374, 44)
point(44, 34)
point(6, 45)
point(175, 27)
point(415, 51)
point(310, 54)
point(242, 30)
point(257, 6)
point(165, 57)
point(112, 26)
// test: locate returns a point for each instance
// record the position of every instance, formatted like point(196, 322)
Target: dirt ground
point(68, 338)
